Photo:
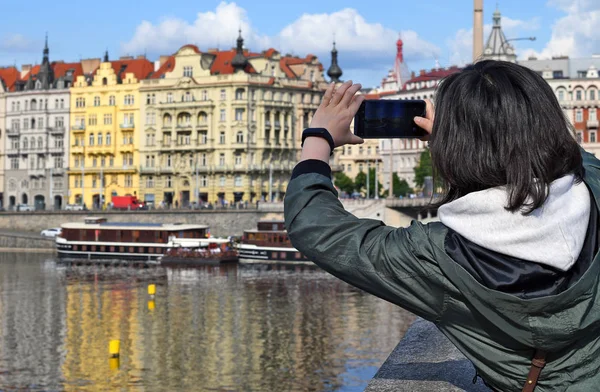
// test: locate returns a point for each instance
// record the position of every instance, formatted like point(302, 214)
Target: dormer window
point(188, 71)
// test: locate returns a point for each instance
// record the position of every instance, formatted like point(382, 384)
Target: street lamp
point(517, 39)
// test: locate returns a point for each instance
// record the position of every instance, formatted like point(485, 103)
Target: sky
point(434, 31)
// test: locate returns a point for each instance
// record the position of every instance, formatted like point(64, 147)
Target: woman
point(510, 273)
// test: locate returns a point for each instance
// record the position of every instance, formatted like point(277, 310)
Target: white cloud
point(575, 34)
point(16, 43)
point(362, 45)
point(460, 46)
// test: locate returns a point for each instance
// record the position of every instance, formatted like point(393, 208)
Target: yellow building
point(224, 126)
point(105, 114)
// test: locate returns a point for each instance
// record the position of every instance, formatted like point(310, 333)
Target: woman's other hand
point(426, 122)
point(336, 112)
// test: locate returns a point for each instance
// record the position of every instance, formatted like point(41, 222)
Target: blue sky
point(365, 30)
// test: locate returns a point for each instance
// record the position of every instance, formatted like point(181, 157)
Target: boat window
point(282, 255)
point(274, 255)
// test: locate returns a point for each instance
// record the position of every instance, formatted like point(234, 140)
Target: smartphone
point(389, 119)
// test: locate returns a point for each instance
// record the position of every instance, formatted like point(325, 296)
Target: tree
point(360, 183)
point(424, 168)
point(401, 187)
point(343, 182)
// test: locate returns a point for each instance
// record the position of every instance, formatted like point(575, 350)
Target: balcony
point(202, 125)
point(149, 169)
point(127, 169)
point(185, 126)
point(78, 127)
point(592, 124)
point(77, 149)
point(37, 172)
point(56, 150)
point(13, 132)
point(127, 125)
point(126, 148)
point(277, 125)
point(185, 104)
point(56, 130)
point(268, 124)
point(57, 171)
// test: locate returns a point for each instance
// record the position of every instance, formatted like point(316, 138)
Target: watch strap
point(319, 132)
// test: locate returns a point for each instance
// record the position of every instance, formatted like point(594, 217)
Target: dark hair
point(500, 124)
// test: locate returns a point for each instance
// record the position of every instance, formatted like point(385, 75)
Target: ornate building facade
point(224, 126)
point(8, 78)
point(105, 128)
point(36, 144)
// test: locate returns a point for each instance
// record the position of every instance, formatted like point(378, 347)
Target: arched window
point(40, 142)
point(561, 95)
point(239, 137)
point(187, 97)
point(33, 104)
point(104, 81)
point(202, 118)
point(592, 94)
point(578, 95)
point(99, 138)
point(91, 143)
point(167, 120)
point(239, 94)
point(32, 142)
point(25, 144)
point(183, 119)
point(108, 139)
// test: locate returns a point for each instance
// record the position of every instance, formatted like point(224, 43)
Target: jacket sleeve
point(395, 264)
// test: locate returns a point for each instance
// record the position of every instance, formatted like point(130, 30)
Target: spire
point(105, 60)
point(334, 71)
point(46, 73)
point(240, 61)
point(497, 47)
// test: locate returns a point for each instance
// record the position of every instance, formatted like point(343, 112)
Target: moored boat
point(269, 243)
point(215, 252)
point(96, 238)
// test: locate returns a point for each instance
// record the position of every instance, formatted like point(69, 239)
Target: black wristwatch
point(319, 132)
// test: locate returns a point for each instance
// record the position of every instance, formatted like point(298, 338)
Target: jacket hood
point(552, 235)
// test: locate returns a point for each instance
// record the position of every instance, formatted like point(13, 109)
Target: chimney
point(90, 65)
point(412, 75)
point(141, 57)
point(25, 68)
point(422, 72)
point(162, 60)
point(477, 29)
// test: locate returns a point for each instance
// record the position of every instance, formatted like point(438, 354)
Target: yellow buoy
point(114, 348)
point(114, 363)
point(151, 289)
point(151, 304)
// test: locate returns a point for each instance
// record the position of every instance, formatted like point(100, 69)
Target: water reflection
point(212, 328)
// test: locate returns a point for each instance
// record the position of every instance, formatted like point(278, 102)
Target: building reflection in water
point(225, 328)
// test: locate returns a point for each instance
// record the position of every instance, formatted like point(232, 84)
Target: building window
point(578, 115)
point(592, 95)
point(222, 137)
point(239, 137)
point(128, 181)
point(203, 137)
point(59, 122)
point(94, 162)
point(239, 114)
point(237, 181)
point(103, 161)
point(592, 114)
point(222, 180)
point(80, 102)
point(593, 137)
point(91, 142)
point(169, 182)
point(578, 95)
point(112, 101)
point(93, 119)
point(239, 94)
point(108, 141)
point(204, 95)
point(150, 182)
point(169, 160)
point(223, 115)
point(169, 97)
point(107, 119)
point(223, 95)
point(99, 138)
point(221, 159)
point(238, 159)
point(203, 159)
point(111, 161)
point(579, 137)
point(128, 100)
point(96, 101)
point(203, 181)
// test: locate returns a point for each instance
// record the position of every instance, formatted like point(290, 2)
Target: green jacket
point(411, 268)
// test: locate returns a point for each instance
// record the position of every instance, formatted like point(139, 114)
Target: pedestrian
point(510, 273)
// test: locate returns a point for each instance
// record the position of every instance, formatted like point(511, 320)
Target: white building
point(37, 140)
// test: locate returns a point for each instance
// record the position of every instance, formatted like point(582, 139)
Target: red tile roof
point(222, 63)
point(140, 68)
point(193, 47)
point(10, 75)
point(372, 96)
point(434, 74)
point(167, 66)
point(59, 68)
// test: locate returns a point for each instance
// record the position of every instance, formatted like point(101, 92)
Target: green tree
point(424, 168)
point(344, 182)
point(360, 181)
point(401, 187)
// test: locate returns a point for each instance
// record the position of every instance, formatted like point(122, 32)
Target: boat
point(269, 243)
point(96, 238)
point(190, 253)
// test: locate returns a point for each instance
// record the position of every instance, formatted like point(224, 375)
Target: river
point(221, 328)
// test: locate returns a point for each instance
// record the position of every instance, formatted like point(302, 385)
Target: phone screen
point(388, 119)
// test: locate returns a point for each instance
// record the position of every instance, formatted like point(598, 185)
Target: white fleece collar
point(552, 235)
